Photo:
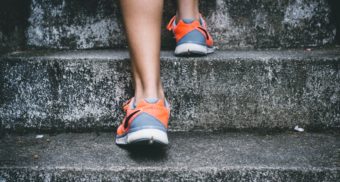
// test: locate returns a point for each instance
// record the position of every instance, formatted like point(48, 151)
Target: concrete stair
point(261, 92)
point(233, 112)
point(191, 156)
point(234, 24)
point(84, 90)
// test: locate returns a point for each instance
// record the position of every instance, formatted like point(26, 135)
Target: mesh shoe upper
point(144, 115)
point(190, 32)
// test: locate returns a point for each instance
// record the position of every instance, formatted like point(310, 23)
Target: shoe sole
point(144, 137)
point(192, 49)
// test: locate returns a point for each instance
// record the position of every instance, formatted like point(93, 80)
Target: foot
point(192, 37)
point(145, 122)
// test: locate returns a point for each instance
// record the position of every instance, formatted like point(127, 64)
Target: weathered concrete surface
point(75, 24)
point(189, 157)
point(233, 24)
point(84, 90)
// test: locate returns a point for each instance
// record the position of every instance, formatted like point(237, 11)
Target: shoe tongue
point(201, 21)
point(151, 100)
point(148, 100)
point(188, 20)
point(133, 105)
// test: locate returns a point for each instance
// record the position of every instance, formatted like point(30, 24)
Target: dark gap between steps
point(335, 18)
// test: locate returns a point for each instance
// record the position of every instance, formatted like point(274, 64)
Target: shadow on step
point(142, 153)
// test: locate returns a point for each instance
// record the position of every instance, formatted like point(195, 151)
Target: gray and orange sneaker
point(145, 122)
point(192, 37)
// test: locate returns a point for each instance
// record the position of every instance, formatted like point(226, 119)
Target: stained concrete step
point(86, 24)
point(190, 156)
point(84, 90)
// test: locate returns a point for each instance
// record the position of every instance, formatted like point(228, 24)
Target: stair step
point(191, 156)
point(84, 90)
point(233, 24)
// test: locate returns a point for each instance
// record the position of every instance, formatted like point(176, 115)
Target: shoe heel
point(148, 136)
point(191, 49)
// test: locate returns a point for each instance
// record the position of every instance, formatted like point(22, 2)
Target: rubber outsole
point(144, 137)
point(192, 49)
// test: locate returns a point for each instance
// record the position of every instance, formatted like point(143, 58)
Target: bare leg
point(142, 20)
point(187, 9)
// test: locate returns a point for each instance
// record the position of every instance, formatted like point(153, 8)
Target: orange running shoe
point(192, 37)
point(144, 123)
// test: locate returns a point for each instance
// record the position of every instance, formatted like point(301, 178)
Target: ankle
point(149, 94)
point(194, 16)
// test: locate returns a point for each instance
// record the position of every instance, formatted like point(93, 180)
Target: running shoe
point(192, 37)
point(145, 122)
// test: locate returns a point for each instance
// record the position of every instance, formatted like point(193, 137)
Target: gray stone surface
point(85, 24)
point(84, 90)
point(189, 157)
point(266, 23)
point(75, 24)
